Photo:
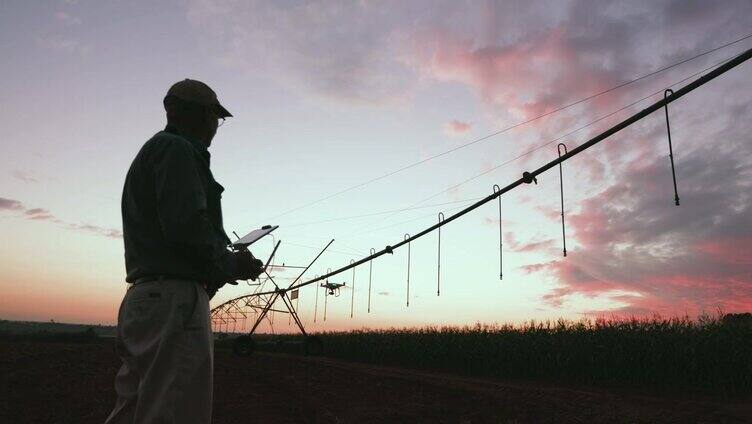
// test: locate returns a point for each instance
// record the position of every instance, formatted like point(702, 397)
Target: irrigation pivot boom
point(530, 177)
point(270, 296)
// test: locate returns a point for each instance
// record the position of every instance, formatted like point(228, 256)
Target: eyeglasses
point(220, 120)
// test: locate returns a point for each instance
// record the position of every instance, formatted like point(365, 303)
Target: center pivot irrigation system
point(261, 302)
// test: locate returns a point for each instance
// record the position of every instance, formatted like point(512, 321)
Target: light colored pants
point(165, 341)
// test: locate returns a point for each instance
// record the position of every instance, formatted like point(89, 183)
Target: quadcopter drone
point(332, 288)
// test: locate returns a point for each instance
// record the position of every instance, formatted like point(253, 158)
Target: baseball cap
point(197, 92)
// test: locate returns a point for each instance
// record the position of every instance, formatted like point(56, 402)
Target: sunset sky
point(328, 95)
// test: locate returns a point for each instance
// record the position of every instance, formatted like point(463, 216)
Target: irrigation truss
point(258, 303)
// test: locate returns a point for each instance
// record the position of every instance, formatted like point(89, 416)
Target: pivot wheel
point(313, 346)
point(243, 346)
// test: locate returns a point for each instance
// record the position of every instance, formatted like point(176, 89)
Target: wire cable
point(375, 230)
point(548, 143)
point(529, 177)
point(513, 126)
point(345, 218)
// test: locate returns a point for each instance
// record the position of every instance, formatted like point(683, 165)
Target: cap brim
point(222, 112)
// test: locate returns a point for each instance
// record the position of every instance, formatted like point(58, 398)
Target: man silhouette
point(176, 258)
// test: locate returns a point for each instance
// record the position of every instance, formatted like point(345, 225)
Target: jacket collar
point(201, 147)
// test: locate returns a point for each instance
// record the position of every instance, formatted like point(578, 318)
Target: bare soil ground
point(73, 383)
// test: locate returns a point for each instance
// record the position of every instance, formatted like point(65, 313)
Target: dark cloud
point(10, 204)
point(637, 248)
point(40, 214)
point(345, 51)
point(520, 57)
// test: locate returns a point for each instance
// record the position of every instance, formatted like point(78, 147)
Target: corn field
point(704, 355)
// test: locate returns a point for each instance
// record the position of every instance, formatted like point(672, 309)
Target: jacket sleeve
point(182, 212)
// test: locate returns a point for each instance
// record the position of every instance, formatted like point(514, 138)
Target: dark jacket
point(172, 213)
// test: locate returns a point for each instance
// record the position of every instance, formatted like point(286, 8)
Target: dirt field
point(73, 383)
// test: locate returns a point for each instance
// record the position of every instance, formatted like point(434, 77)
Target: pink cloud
point(594, 167)
point(524, 198)
point(526, 78)
point(667, 260)
point(552, 213)
point(533, 268)
point(531, 246)
point(455, 128)
point(732, 250)
point(534, 246)
point(38, 214)
point(668, 293)
point(491, 221)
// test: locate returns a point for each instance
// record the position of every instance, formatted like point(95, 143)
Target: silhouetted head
point(194, 110)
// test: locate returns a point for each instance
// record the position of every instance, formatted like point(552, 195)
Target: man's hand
point(248, 266)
